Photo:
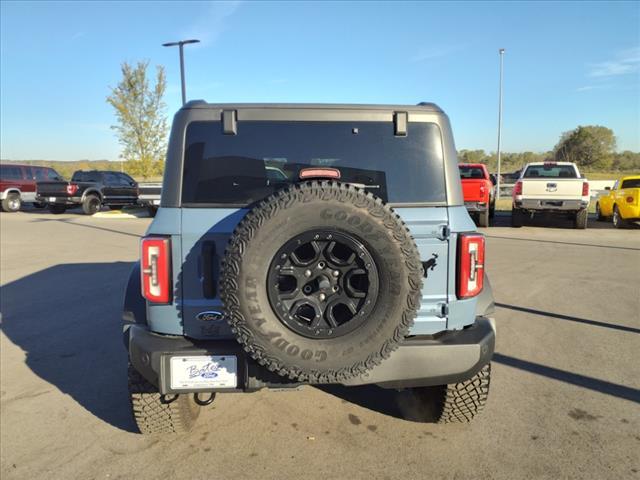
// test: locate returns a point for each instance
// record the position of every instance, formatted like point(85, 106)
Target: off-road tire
point(517, 218)
point(483, 218)
point(492, 209)
point(57, 209)
point(294, 211)
point(460, 402)
point(599, 216)
point(155, 413)
point(11, 203)
point(454, 403)
point(580, 221)
point(91, 204)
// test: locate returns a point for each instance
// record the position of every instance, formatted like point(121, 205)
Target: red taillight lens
point(585, 189)
point(72, 188)
point(482, 190)
point(630, 199)
point(517, 189)
point(155, 268)
point(470, 265)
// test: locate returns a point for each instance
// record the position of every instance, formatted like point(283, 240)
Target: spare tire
point(321, 282)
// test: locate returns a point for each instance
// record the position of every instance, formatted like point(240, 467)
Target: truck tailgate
point(473, 190)
point(52, 189)
point(556, 188)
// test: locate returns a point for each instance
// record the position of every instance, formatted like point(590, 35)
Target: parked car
point(478, 191)
point(622, 202)
point(551, 187)
point(89, 189)
point(18, 184)
point(251, 279)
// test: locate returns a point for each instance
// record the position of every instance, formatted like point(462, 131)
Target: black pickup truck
point(90, 189)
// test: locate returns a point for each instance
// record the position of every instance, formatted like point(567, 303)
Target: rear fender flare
point(91, 191)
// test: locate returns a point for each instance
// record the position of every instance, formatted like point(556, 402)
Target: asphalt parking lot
point(565, 392)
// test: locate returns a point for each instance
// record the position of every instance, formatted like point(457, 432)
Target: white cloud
point(623, 63)
point(211, 24)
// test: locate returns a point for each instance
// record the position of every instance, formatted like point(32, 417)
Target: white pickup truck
point(555, 187)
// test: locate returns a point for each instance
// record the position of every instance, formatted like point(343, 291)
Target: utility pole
point(181, 44)
point(501, 52)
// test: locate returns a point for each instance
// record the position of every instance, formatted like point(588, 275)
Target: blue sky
point(566, 64)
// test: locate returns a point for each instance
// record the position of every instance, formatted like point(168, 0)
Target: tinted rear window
point(264, 156)
point(86, 177)
point(470, 172)
point(10, 173)
point(631, 183)
point(550, 171)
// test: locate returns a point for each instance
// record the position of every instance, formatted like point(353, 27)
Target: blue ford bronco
point(308, 244)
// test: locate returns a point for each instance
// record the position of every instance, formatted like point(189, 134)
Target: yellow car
point(622, 202)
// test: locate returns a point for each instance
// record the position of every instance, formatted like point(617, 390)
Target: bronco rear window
point(264, 156)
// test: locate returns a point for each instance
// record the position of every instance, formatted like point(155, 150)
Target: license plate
point(204, 371)
point(52, 199)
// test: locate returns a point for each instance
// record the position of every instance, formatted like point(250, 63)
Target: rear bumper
point(57, 200)
point(449, 357)
point(476, 206)
point(550, 205)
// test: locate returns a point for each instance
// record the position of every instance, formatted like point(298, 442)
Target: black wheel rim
point(323, 284)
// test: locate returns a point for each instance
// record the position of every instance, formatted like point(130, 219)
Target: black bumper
point(449, 357)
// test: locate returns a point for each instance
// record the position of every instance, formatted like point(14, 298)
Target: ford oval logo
point(210, 316)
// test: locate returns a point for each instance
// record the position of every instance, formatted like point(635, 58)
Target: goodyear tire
point(155, 413)
point(318, 244)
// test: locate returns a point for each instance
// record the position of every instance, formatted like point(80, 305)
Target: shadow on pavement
point(67, 320)
point(596, 323)
point(503, 219)
point(602, 386)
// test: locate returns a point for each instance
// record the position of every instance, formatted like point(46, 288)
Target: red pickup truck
point(478, 191)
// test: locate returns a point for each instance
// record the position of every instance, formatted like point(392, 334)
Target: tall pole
point(501, 51)
point(181, 45)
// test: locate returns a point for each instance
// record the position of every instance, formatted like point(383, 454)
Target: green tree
point(590, 146)
point(142, 122)
point(626, 161)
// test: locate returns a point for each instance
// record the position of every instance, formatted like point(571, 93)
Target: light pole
point(501, 52)
point(181, 44)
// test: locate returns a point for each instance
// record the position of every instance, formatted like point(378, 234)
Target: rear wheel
point(12, 202)
point(91, 204)
point(580, 221)
point(453, 403)
point(618, 221)
point(57, 209)
point(599, 216)
point(483, 218)
point(517, 217)
point(155, 413)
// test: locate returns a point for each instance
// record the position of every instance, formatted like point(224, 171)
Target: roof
point(550, 163)
point(422, 106)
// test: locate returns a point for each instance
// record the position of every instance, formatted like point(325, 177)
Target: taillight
point(585, 189)
point(72, 188)
point(517, 189)
point(630, 199)
point(482, 190)
point(470, 265)
point(155, 268)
